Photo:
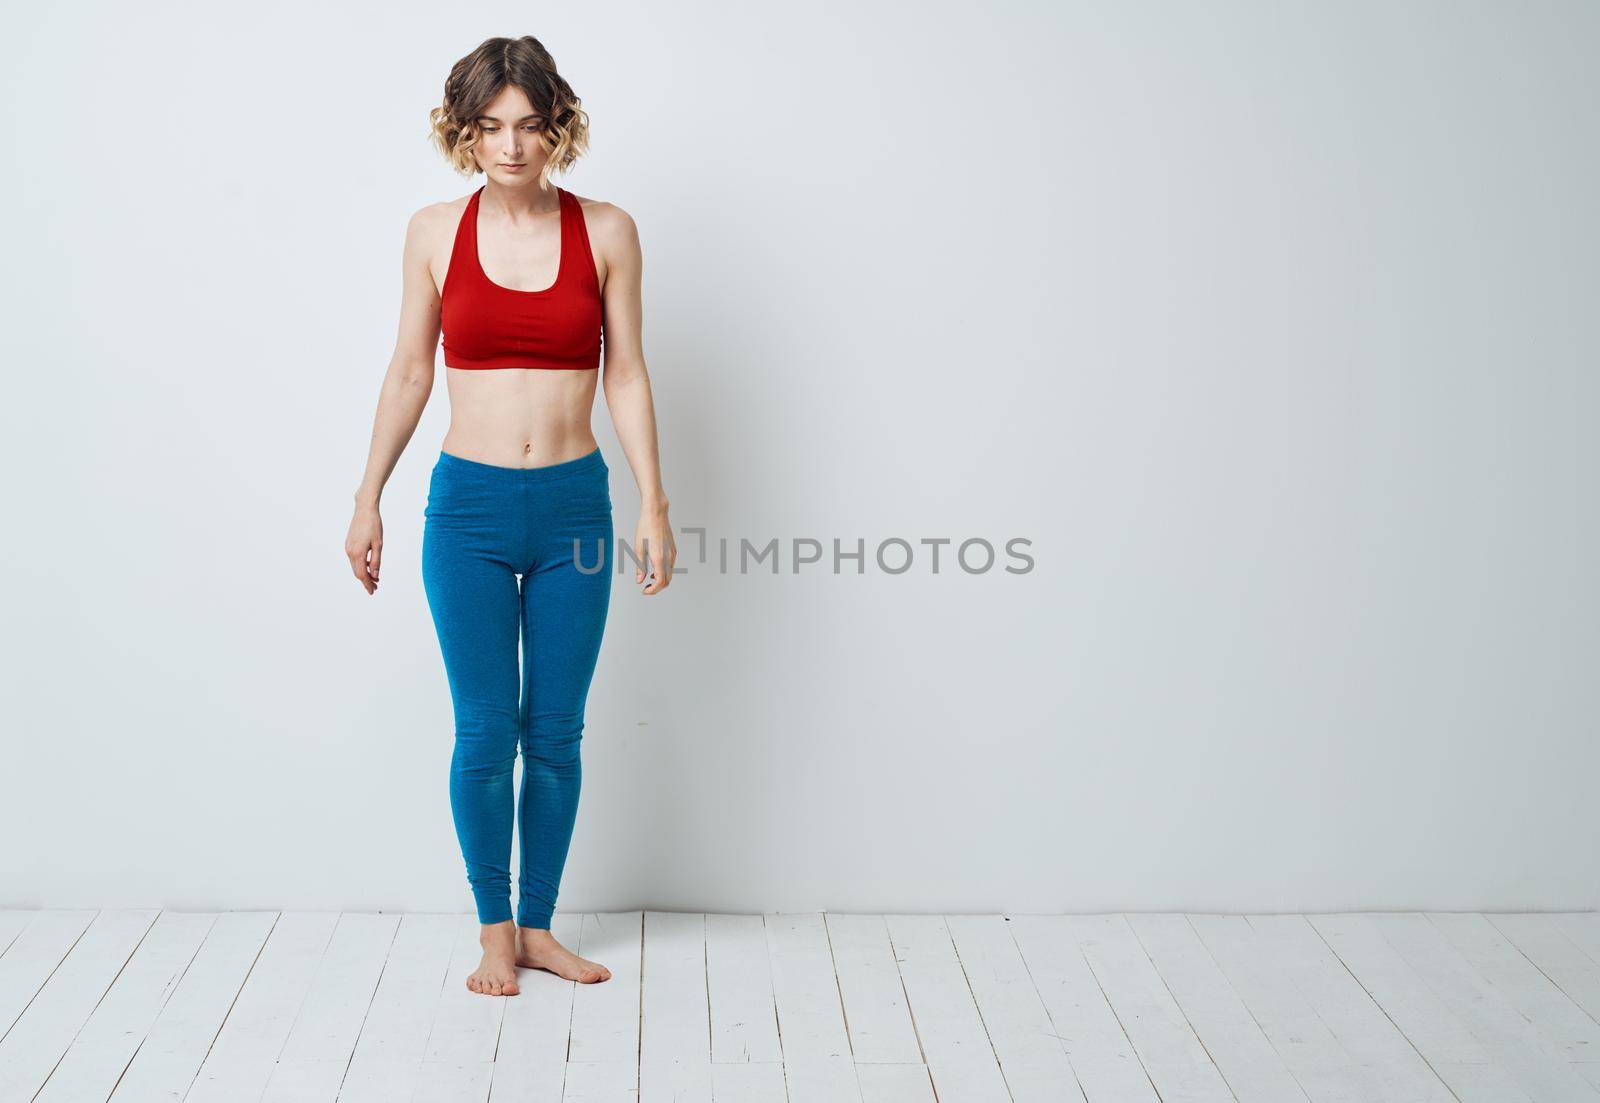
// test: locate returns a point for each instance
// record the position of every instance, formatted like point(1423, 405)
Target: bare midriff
point(520, 417)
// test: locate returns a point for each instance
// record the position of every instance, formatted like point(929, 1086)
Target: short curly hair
point(479, 77)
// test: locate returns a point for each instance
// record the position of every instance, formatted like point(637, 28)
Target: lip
point(522, 164)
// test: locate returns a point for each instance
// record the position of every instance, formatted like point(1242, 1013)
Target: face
point(511, 147)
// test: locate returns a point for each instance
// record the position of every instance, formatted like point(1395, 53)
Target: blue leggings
point(486, 526)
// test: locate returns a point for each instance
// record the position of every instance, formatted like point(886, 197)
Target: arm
point(627, 390)
point(401, 400)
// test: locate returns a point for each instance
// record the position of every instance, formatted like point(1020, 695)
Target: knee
point(553, 739)
point(484, 750)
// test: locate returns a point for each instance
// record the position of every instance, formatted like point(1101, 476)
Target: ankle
point(495, 933)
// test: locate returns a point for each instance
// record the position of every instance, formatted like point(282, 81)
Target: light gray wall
point(1272, 326)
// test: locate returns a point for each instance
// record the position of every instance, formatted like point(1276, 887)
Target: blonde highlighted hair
point(479, 77)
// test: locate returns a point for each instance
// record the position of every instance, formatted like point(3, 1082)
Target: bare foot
point(497, 972)
point(538, 949)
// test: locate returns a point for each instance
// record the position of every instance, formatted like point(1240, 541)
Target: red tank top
point(485, 325)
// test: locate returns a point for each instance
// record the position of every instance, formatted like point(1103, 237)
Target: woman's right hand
point(364, 546)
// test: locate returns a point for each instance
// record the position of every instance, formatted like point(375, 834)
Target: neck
point(525, 199)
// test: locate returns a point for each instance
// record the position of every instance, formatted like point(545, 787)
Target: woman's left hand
point(652, 540)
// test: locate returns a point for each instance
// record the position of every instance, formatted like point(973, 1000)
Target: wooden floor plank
point(675, 1026)
point(744, 1011)
point(675, 1080)
point(1325, 1070)
point(605, 1016)
point(1534, 1061)
point(323, 1038)
point(394, 1035)
point(1032, 1058)
point(100, 1053)
point(1171, 1053)
point(32, 955)
point(881, 1082)
point(1236, 1042)
point(1436, 1032)
point(748, 1081)
point(822, 1079)
point(246, 1048)
point(1520, 983)
point(1583, 928)
point(170, 1055)
point(535, 1033)
point(960, 1056)
point(13, 921)
point(1102, 1057)
point(455, 1079)
point(1542, 939)
point(792, 1008)
point(466, 1025)
point(43, 1032)
point(874, 999)
point(805, 989)
point(1365, 1032)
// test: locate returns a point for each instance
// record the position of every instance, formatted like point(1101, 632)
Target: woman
point(520, 276)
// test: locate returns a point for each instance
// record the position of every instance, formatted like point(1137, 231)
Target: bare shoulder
point(611, 229)
point(429, 222)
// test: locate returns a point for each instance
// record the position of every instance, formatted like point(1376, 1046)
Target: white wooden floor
point(238, 1006)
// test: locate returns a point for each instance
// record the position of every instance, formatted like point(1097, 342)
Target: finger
point(359, 569)
point(377, 554)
